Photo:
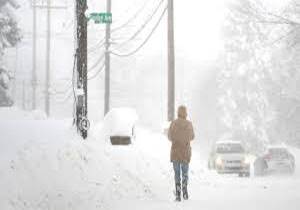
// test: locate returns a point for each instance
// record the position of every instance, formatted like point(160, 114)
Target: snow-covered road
point(45, 165)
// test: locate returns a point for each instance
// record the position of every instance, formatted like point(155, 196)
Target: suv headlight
point(246, 160)
point(219, 161)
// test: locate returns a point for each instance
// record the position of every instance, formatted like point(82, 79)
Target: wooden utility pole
point(81, 64)
point(48, 50)
point(14, 93)
point(171, 62)
point(34, 79)
point(40, 4)
point(107, 62)
point(23, 95)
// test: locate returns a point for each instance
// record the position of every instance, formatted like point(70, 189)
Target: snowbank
point(14, 113)
point(45, 165)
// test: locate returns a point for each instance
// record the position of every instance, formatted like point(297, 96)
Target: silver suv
point(275, 159)
point(229, 157)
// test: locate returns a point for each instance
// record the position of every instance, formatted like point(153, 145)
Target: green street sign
point(101, 17)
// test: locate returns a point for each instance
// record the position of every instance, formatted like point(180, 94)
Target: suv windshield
point(229, 148)
point(278, 152)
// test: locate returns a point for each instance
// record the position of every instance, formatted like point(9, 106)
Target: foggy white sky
point(197, 25)
point(197, 42)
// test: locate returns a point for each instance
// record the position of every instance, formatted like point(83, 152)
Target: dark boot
point(185, 194)
point(178, 191)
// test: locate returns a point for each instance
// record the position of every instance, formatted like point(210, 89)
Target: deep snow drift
point(45, 165)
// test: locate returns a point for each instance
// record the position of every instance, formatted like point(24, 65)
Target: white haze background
point(46, 166)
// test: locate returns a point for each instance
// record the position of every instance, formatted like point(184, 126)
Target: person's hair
point(182, 112)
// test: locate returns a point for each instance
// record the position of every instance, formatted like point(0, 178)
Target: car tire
point(247, 174)
point(260, 166)
point(292, 170)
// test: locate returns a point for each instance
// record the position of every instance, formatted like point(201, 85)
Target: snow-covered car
point(275, 159)
point(119, 124)
point(229, 157)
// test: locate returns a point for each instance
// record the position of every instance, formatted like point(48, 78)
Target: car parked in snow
point(275, 159)
point(120, 125)
point(229, 157)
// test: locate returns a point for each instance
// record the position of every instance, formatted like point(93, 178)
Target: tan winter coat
point(180, 134)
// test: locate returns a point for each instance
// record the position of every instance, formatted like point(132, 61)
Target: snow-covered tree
point(286, 77)
point(9, 32)
point(9, 36)
point(246, 112)
point(284, 89)
point(258, 85)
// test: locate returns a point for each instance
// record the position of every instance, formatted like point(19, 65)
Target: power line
point(97, 62)
point(62, 92)
point(97, 73)
point(145, 41)
point(124, 25)
point(66, 98)
point(131, 19)
point(150, 17)
point(96, 46)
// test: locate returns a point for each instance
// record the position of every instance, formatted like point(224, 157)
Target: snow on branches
point(10, 34)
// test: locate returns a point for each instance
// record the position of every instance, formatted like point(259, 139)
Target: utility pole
point(107, 62)
point(34, 80)
point(15, 75)
point(171, 62)
point(48, 50)
point(82, 122)
point(23, 95)
point(40, 4)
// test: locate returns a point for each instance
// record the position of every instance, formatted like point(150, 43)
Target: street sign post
point(101, 17)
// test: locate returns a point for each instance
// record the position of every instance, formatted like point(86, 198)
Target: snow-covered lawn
point(45, 165)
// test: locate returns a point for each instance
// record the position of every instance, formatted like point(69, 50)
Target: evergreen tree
point(258, 93)
point(10, 34)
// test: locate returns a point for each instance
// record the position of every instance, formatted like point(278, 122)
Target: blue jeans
point(181, 169)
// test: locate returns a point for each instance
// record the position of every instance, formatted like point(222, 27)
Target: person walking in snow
point(181, 133)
